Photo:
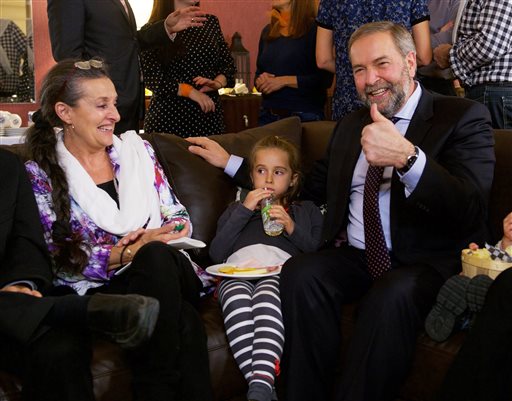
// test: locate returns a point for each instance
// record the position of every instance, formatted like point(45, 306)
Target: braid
point(60, 85)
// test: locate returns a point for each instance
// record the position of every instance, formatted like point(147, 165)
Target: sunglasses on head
point(80, 65)
point(86, 65)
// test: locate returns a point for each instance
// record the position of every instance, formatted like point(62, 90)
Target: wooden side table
point(240, 112)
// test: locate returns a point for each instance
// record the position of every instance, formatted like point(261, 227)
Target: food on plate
point(247, 270)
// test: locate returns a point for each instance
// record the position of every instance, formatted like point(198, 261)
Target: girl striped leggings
point(254, 326)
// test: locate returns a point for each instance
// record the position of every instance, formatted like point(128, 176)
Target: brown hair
point(402, 38)
point(302, 16)
point(63, 83)
point(294, 160)
point(161, 9)
point(169, 51)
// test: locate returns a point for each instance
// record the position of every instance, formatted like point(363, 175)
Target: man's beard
point(398, 93)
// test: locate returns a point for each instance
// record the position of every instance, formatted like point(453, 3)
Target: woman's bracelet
point(185, 89)
point(128, 251)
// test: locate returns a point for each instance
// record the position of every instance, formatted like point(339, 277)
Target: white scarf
point(139, 202)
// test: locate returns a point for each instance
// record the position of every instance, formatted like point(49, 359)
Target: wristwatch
point(411, 159)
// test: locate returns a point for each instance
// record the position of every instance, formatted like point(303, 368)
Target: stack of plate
point(13, 131)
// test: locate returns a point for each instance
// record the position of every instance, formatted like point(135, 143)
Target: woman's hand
point(204, 101)
point(163, 234)
point(267, 83)
point(184, 18)
point(130, 237)
point(207, 85)
point(22, 289)
point(442, 55)
point(253, 198)
point(280, 215)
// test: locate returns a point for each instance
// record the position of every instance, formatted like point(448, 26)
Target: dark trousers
point(53, 361)
point(482, 370)
point(173, 364)
point(54, 366)
point(391, 311)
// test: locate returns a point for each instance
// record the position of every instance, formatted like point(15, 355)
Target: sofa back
point(206, 191)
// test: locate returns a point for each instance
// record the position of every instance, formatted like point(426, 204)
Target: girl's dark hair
point(168, 52)
point(63, 83)
point(302, 16)
point(294, 160)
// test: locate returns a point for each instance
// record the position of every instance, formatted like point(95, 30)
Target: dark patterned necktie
point(377, 254)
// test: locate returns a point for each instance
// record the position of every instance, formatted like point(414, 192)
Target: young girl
point(252, 309)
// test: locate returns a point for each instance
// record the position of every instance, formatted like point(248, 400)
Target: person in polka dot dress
point(185, 76)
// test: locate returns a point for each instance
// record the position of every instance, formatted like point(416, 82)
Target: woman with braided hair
point(104, 202)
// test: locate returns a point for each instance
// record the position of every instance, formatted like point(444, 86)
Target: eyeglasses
point(86, 65)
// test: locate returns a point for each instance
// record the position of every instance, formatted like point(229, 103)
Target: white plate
point(14, 131)
point(122, 269)
point(214, 270)
point(186, 243)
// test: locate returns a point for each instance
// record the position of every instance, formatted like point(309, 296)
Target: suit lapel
point(421, 122)
point(130, 17)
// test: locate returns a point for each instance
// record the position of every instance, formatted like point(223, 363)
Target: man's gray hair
point(401, 36)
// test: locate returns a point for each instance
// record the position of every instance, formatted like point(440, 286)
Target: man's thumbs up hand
point(375, 114)
point(382, 144)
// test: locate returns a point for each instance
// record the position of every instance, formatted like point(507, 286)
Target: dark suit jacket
point(101, 28)
point(23, 252)
point(448, 208)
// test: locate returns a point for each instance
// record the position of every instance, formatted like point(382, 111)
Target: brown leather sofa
point(206, 191)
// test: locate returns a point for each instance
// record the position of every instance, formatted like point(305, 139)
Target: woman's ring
point(192, 20)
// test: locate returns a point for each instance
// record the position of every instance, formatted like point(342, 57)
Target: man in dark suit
point(45, 340)
point(436, 167)
point(107, 29)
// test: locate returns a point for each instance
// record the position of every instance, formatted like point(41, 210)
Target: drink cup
point(271, 226)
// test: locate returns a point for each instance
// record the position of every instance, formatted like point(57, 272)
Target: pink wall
point(248, 17)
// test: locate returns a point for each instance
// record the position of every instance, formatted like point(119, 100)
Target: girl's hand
point(204, 101)
point(253, 198)
point(207, 85)
point(279, 214)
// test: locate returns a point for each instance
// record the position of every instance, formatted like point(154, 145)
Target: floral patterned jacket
point(99, 242)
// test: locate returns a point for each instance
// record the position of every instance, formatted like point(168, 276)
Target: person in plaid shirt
point(481, 57)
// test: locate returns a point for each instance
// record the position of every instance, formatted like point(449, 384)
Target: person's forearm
point(290, 81)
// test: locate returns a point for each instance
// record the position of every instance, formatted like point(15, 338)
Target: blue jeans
point(498, 100)
point(267, 117)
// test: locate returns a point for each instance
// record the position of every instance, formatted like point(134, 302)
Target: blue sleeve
point(325, 17)
point(419, 11)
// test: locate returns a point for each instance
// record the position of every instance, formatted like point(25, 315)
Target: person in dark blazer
point(45, 339)
point(83, 29)
point(438, 163)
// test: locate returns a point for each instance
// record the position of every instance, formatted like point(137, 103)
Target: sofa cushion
point(204, 189)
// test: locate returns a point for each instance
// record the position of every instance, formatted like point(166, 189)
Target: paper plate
point(214, 270)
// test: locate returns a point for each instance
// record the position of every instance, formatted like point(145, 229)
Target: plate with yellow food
point(243, 272)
